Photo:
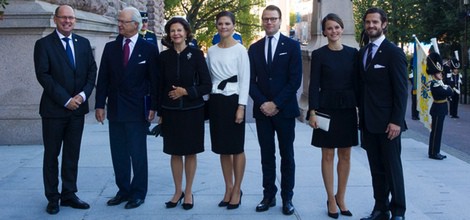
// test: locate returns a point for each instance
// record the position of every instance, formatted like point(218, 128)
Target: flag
point(423, 91)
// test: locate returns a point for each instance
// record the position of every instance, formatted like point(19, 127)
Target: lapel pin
point(139, 55)
point(76, 40)
point(282, 43)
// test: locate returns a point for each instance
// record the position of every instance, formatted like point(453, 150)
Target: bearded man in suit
point(383, 97)
point(66, 69)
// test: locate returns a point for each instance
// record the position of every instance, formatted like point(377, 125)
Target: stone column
point(26, 21)
point(343, 8)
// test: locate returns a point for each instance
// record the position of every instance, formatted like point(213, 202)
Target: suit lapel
point(280, 47)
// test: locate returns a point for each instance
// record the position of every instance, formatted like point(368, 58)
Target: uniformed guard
point(438, 112)
point(146, 34)
point(454, 80)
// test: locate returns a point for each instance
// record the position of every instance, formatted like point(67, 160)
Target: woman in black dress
point(332, 91)
point(183, 80)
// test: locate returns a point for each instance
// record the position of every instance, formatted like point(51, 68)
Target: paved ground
point(435, 189)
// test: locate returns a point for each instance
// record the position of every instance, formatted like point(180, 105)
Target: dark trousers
point(129, 151)
point(454, 104)
point(284, 128)
point(65, 134)
point(414, 99)
point(436, 135)
point(386, 171)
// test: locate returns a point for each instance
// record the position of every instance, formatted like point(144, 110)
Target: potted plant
point(3, 4)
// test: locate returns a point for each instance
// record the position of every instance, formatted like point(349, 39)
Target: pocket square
point(282, 53)
point(142, 62)
point(378, 66)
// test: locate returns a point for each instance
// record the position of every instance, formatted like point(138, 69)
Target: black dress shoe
point(265, 204)
point(171, 204)
point(53, 207)
point(437, 157)
point(235, 206)
point(287, 208)
point(134, 203)
point(398, 218)
point(442, 155)
point(188, 206)
point(118, 199)
point(75, 203)
point(378, 215)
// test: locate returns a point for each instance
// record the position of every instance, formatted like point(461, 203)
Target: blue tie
point(270, 51)
point(68, 50)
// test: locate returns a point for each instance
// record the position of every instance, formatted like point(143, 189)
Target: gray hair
point(136, 17)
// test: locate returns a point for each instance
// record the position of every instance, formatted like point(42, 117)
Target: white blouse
point(224, 63)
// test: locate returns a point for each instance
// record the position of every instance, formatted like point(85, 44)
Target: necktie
point(369, 54)
point(270, 51)
point(68, 50)
point(126, 51)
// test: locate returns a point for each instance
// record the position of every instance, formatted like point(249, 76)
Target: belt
point(440, 101)
point(224, 82)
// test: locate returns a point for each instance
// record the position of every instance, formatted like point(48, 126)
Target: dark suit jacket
point(440, 93)
point(280, 84)
point(383, 89)
point(59, 79)
point(123, 88)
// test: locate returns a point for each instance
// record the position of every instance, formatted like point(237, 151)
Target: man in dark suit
point(276, 72)
point(128, 66)
point(383, 81)
point(66, 69)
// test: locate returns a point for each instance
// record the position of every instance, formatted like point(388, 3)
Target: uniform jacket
point(383, 89)
point(58, 77)
point(439, 92)
point(280, 83)
point(187, 69)
point(123, 89)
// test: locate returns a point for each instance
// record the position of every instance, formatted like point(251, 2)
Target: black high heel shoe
point(235, 206)
point(331, 214)
point(171, 204)
point(223, 203)
point(188, 206)
point(345, 213)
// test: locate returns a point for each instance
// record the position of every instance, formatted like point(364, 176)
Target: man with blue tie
point(66, 69)
point(128, 66)
point(276, 73)
point(383, 97)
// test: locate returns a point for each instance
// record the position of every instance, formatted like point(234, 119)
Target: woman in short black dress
point(183, 80)
point(332, 91)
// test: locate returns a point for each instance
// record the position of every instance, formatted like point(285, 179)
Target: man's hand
point(100, 115)
point(269, 109)
point(393, 131)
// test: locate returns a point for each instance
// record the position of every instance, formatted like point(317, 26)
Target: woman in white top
point(229, 66)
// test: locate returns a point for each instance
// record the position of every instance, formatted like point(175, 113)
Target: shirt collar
point(62, 36)
point(379, 41)
point(133, 38)
point(275, 36)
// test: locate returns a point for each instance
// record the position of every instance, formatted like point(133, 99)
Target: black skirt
point(342, 132)
point(183, 131)
point(227, 137)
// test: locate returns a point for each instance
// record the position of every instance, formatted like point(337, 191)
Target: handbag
point(323, 121)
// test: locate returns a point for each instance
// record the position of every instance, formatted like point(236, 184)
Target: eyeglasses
point(66, 17)
point(124, 22)
point(273, 19)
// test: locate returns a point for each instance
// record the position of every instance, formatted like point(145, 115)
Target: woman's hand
point(240, 114)
point(177, 92)
point(312, 120)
